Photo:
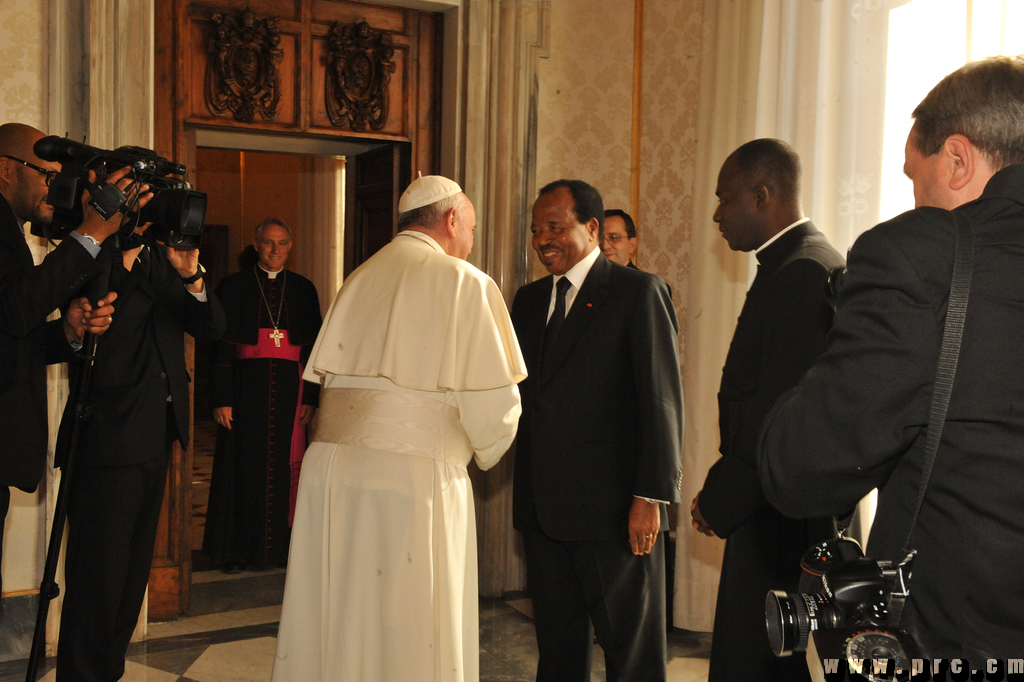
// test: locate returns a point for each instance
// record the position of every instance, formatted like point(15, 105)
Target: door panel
point(380, 177)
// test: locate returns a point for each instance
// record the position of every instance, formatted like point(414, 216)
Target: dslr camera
point(849, 607)
point(176, 211)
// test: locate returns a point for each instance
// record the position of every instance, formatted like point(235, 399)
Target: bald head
point(17, 139)
point(771, 163)
point(23, 186)
point(758, 193)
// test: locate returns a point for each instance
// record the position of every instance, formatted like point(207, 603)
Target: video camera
point(849, 607)
point(176, 211)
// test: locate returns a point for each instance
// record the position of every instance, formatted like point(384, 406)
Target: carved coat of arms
point(241, 73)
point(359, 69)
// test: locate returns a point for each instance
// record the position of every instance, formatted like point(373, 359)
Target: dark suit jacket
point(28, 294)
point(858, 420)
point(133, 377)
point(603, 420)
point(780, 332)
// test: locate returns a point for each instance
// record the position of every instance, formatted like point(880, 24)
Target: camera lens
point(789, 619)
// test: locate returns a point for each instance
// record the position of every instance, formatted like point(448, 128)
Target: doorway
point(203, 101)
point(309, 188)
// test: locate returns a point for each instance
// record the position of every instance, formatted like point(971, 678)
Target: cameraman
point(28, 294)
point(140, 406)
point(858, 419)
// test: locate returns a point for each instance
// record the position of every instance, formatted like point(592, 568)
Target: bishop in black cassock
point(273, 318)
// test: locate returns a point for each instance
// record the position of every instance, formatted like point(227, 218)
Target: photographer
point(859, 418)
point(140, 406)
point(28, 294)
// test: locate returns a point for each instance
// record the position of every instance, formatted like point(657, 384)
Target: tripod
point(48, 588)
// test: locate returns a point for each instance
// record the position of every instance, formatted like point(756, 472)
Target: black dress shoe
point(234, 567)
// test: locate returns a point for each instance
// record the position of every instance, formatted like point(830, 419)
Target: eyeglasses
point(50, 174)
point(615, 238)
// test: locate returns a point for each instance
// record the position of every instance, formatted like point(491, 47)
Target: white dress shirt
point(576, 275)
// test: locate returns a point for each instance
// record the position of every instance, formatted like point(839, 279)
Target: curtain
point(812, 73)
point(838, 80)
point(718, 278)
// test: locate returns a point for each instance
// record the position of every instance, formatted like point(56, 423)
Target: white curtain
point(730, 49)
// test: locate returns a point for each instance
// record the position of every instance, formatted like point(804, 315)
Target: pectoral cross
point(277, 336)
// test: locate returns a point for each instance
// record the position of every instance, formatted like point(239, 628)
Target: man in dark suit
point(140, 406)
point(859, 418)
point(28, 294)
point(780, 332)
point(598, 450)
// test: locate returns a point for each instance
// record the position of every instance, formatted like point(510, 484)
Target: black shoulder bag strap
point(949, 354)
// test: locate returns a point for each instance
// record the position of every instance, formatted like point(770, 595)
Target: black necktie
point(557, 317)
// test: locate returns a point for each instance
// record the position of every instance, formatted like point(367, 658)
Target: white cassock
point(419, 364)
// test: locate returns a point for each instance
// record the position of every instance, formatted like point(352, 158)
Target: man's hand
point(644, 524)
point(306, 414)
point(222, 415)
point(186, 262)
point(93, 225)
point(698, 520)
point(81, 317)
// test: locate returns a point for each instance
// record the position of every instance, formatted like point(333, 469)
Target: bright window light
point(927, 40)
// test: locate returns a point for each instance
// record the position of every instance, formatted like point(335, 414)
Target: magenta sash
point(266, 348)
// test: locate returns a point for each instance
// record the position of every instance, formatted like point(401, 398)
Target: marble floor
point(229, 633)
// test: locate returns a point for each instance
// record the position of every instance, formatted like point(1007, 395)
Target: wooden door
point(321, 68)
point(380, 177)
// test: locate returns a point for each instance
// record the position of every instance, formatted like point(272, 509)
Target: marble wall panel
point(23, 99)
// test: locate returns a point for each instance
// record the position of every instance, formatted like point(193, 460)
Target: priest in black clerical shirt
point(261, 405)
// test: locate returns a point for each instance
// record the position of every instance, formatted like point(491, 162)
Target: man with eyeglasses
point(28, 294)
point(619, 243)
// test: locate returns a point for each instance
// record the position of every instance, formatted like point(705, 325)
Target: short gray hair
point(429, 215)
point(264, 224)
point(984, 102)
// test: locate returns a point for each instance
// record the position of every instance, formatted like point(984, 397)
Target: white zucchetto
point(426, 190)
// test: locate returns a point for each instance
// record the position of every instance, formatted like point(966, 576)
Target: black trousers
point(113, 514)
point(581, 589)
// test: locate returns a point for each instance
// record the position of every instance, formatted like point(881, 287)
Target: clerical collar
point(779, 234)
point(270, 275)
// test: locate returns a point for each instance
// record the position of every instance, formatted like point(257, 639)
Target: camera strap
point(949, 354)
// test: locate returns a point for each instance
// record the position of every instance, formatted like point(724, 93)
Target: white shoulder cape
point(421, 318)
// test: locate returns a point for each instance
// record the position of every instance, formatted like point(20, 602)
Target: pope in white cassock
point(419, 365)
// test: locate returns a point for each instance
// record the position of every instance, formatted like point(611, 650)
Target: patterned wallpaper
point(585, 102)
point(671, 70)
point(585, 119)
point(23, 78)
